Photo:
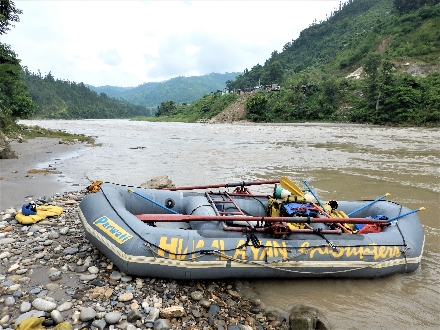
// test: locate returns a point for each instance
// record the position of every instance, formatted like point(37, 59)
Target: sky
point(128, 43)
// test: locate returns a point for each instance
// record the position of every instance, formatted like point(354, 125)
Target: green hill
point(178, 90)
point(62, 99)
point(392, 46)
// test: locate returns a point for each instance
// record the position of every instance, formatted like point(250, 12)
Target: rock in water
point(303, 317)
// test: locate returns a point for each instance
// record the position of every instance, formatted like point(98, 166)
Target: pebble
point(9, 301)
point(88, 277)
point(65, 306)
point(112, 317)
point(133, 316)
point(25, 307)
point(115, 276)
point(197, 295)
point(87, 314)
point(43, 305)
point(5, 319)
point(56, 316)
point(99, 324)
point(93, 270)
point(125, 297)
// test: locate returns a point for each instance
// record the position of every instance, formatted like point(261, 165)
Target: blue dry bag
point(29, 209)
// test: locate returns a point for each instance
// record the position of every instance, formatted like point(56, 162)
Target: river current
point(340, 162)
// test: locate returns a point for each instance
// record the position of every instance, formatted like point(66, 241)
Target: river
point(341, 162)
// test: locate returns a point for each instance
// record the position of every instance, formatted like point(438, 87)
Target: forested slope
point(69, 100)
point(392, 45)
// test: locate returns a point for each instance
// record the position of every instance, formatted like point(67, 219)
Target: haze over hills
point(178, 90)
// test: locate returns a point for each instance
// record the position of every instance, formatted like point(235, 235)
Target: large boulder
point(5, 149)
point(303, 317)
point(158, 183)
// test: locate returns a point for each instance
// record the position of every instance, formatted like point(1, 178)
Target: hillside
point(178, 90)
point(56, 98)
point(374, 61)
point(340, 44)
point(234, 112)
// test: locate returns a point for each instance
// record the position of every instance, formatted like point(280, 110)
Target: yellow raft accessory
point(42, 213)
point(94, 187)
point(35, 323)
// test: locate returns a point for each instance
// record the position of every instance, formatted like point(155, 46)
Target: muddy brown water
point(345, 162)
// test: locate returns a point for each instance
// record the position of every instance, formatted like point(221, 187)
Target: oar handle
point(187, 217)
point(371, 203)
point(152, 201)
point(314, 195)
point(405, 214)
point(225, 185)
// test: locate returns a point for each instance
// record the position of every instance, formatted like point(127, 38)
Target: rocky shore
point(50, 270)
point(52, 275)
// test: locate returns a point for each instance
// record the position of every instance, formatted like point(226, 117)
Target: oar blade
point(286, 183)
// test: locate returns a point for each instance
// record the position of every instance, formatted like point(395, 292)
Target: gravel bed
point(49, 269)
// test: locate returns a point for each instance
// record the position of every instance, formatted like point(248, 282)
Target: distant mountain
point(179, 89)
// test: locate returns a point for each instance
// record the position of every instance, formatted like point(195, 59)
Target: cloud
point(110, 57)
point(127, 43)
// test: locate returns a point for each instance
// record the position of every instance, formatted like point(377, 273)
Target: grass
point(31, 132)
point(34, 171)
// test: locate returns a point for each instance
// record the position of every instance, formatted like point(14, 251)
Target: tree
point(166, 109)
point(256, 107)
point(15, 101)
point(8, 13)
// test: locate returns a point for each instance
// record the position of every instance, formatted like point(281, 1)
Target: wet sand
point(18, 187)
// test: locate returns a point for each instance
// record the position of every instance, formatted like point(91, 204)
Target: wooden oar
point(287, 184)
point(186, 217)
point(224, 185)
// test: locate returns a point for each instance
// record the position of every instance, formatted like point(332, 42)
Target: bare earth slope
point(235, 112)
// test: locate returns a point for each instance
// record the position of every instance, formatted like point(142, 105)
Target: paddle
point(314, 195)
point(152, 201)
point(224, 185)
point(371, 203)
point(287, 184)
point(325, 211)
point(186, 217)
point(405, 214)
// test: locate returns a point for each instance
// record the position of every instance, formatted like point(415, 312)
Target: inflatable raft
point(181, 233)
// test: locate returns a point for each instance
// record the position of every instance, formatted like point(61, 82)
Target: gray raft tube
point(116, 203)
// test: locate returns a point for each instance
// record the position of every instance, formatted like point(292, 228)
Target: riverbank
point(19, 184)
point(50, 270)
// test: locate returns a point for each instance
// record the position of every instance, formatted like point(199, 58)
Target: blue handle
point(314, 195)
point(405, 214)
point(154, 202)
point(371, 203)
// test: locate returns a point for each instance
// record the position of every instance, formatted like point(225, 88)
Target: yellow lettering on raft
point(240, 252)
point(219, 244)
point(200, 244)
point(170, 247)
point(377, 252)
point(182, 253)
point(281, 250)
